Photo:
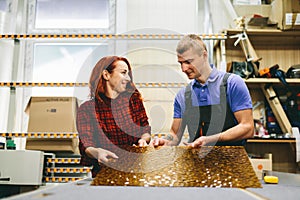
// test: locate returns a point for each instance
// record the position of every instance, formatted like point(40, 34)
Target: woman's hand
point(100, 154)
point(142, 143)
point(103, 155)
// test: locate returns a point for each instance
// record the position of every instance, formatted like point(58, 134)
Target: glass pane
point(64, 63)
point(72, 14)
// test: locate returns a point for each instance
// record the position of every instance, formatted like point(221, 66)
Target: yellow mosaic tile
point(180, 166)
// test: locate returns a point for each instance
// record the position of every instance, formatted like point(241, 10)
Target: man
point(216, 106)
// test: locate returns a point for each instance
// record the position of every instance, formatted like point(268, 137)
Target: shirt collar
point(212, 78)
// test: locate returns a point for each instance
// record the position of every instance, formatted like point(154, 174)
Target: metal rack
point(66, 168)
point(110, 36)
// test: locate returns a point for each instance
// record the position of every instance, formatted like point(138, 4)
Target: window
point(71, 16)
point(61, 62)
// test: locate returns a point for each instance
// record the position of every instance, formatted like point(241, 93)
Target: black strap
point(188, 104)
point(188, 101)
point(188, 96)
point(223, 89)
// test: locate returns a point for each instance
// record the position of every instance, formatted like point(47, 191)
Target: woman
point(114, 117)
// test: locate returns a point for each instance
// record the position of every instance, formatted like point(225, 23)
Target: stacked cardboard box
point(52, 114)
point(286, 13)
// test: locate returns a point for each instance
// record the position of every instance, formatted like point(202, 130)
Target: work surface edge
point(83, 190)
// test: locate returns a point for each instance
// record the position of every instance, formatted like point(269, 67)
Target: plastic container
point(10, 145)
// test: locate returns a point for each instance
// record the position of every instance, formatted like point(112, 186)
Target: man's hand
point(159, 142)
point(201, 141)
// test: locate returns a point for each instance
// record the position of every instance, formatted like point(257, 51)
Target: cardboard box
point(286, 13)
point(246, 2)
point(53, 144)
point(260, 164)
point(52, 114)
point(249, 11)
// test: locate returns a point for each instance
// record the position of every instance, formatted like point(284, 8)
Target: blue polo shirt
point(238, 95)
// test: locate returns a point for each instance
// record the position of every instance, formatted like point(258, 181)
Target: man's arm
point(243, 130)
point(173, 138)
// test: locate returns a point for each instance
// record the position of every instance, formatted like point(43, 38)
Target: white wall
point(6, 60)
point(222, 14)
point(156, 60)
point(173, 16)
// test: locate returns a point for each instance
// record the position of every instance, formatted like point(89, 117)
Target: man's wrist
point(221, 137)
point(168, 137)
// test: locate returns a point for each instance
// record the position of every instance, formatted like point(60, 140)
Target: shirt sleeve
point(85, 124)
point(139, 116)
point(238, 94)
point(179, 104)
point(85, 131)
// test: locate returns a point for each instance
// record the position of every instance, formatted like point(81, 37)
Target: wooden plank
point(271, 80)
point(277, 109)
point(263, 140)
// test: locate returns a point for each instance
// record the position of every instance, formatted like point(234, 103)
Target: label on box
point(295, 131)
point(247, 2)
point(292, 19)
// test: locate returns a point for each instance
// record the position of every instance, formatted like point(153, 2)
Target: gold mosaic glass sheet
point(180, 166)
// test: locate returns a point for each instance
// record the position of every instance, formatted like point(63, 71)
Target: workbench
point(209, 172)
point(83, 190)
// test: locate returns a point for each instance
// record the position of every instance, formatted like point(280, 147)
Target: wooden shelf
point(271, 140)
point(261, 38)
point(272, 46)
point(271, 80)
point(259, 82)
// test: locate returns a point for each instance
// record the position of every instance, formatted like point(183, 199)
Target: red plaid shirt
point(120, 122)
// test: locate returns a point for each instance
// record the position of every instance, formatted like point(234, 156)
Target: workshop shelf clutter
point(269, 95)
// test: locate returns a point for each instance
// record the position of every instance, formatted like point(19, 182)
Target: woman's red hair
point(96, 83)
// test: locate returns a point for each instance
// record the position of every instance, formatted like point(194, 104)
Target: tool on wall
point(292, 99)
point(274, 72)
point(244, 41)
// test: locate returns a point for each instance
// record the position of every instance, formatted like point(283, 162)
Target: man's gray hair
point(191, 41)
